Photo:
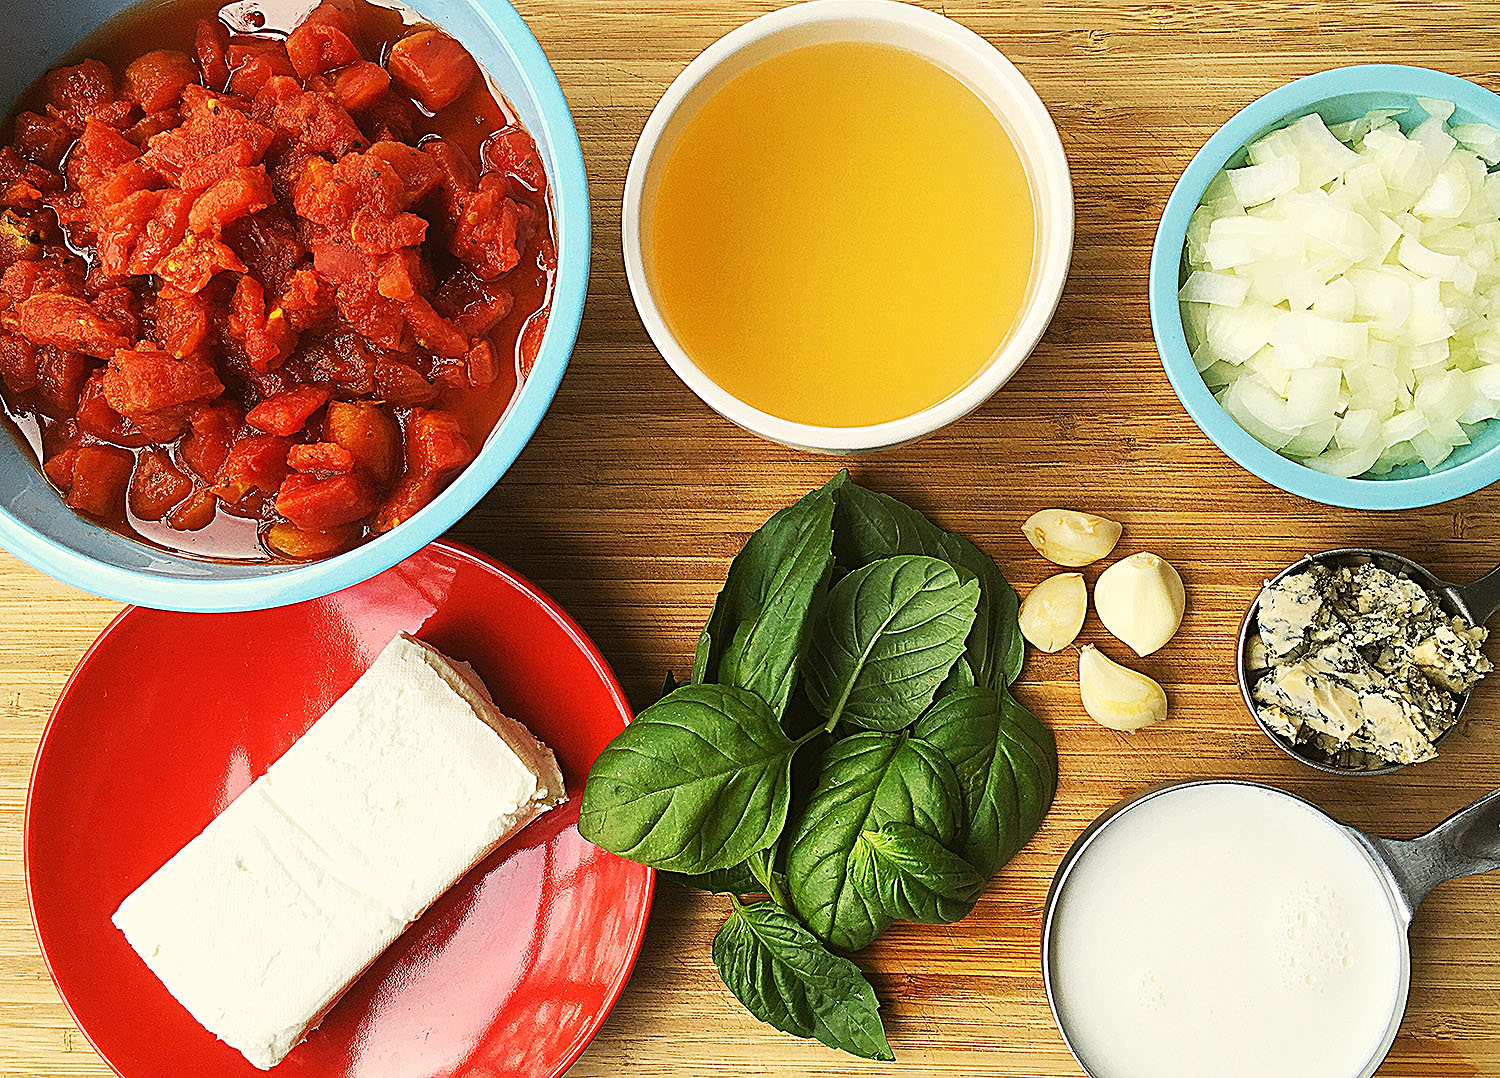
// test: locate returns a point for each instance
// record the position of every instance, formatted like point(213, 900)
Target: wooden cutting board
point(632, 498)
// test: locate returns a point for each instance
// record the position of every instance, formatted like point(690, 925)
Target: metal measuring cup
point(1465, 844)
point(1476, 603)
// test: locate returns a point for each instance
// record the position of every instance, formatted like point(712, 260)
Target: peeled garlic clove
point(1053, 611)
point(1067, 537)
point(1140, 599)
point(1117, 696)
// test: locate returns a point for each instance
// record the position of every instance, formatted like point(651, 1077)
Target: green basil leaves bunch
point(847, 754)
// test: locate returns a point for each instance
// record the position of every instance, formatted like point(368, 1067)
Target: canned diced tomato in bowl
point(283, 292)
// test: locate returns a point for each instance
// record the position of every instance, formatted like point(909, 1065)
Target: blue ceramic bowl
point(36, 526)
point(1340, 95)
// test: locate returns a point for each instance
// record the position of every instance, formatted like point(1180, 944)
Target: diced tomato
point(290, 541)
point(361, 85)
point(79, 91)
point(69, 323)
point(432, 67)
point(435, 443)
point(254, 63)
point(530, 343)
point(256, 462)
point(331, 13)
point(59, 467)
point(143, 380)
point(18, 363)
point(147, 127)
point(473, 306)
point(98, 154)
point(315, 504)
point(212, 46)
point(42, 139)
point(212, 122)
point(418, 172)
point(196, 512)
point(213, 430)
point(287, 413)
point(402, 384)
point(157, 485)
point(183, 322)
point(484, 238)
point(20, 239)
point(60, 379)
point(100, 476)
point(327, 457)
point(244, 191)
point(161, 227)
point(219, 165)
point(513, 152)
point(318, 124)
point(480, 366)
point(28, 278)
point(155, 80)
point(193, 263)
point(369, 433)
point(268, 337)
point(316, 47)
point(432, 331)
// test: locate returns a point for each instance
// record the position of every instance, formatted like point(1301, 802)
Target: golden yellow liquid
point(842, 235)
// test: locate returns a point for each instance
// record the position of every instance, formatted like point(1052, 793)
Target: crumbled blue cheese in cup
point(1360, 666)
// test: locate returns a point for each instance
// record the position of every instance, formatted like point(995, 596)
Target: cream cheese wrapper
point(408, 781)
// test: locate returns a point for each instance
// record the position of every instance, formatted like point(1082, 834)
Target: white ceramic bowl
point(965, 55)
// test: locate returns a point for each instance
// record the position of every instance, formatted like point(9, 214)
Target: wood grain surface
point(630, 501)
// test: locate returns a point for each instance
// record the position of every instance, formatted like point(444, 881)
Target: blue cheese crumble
point(1361, 667)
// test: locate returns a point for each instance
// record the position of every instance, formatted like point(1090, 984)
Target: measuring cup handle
point(1465, 844)
point(1483, 596)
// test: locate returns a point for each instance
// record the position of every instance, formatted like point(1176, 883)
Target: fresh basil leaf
point(887, 640)
point(866, 781)
point(964, 726)
point(960, 677)
point(699, 781)
point(734, 880)
point(758, 631)
point(787, 978)
point(1006, 766)
point(913, 876)
point(870, 525)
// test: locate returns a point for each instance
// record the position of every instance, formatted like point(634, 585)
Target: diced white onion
point(1343, 294)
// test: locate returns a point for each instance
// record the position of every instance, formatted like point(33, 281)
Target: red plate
point(170, 716)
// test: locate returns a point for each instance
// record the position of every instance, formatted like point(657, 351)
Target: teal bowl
point(1339, 95)
point(37, 527)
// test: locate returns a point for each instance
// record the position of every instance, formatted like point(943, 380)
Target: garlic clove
point(1141, 600)
point(1053, 612)
point(1067, 537)
point(1116, 696)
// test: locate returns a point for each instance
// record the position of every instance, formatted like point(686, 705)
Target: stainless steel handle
point(1465, 844)
point(1482, 598)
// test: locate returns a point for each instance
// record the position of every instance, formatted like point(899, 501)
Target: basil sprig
point(847, 754)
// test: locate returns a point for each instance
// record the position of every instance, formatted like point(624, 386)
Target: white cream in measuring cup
point(1230, 930)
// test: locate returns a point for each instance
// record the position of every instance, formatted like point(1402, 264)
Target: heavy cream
point(1225, 931)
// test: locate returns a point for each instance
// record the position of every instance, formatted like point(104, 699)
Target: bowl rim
point(284, 583)
point(1051, 261)
point(1301, 95)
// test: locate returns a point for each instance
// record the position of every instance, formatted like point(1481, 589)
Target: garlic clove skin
point(1141, 601)
point(1116, 696)
point(1067, 537)
point(1053, 611)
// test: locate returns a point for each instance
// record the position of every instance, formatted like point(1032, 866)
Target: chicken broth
point(842, 235)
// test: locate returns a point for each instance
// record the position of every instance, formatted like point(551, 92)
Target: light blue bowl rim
point(282, 586)
point(1166, 318)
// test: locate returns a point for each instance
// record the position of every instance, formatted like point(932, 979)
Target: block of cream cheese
point(408, 781)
